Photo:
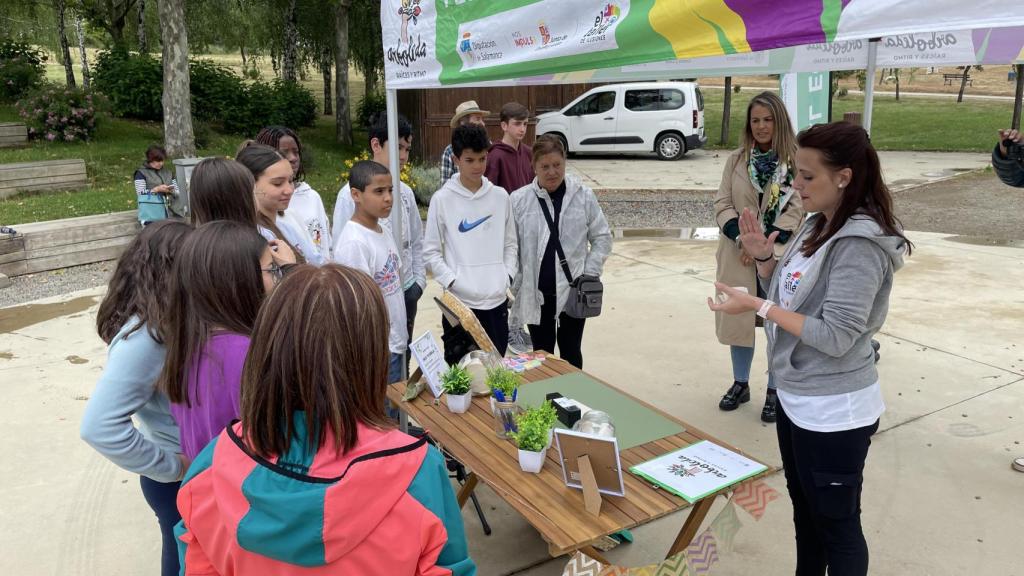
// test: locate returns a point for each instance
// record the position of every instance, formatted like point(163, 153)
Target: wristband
point(765, 307)
point(768, 259)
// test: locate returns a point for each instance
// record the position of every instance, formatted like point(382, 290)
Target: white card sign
point(430, 360)
point(698, 470)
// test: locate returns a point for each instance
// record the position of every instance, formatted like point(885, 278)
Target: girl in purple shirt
point(221, 275)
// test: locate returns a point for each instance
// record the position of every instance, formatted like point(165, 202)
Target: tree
point(343, 120)
point(143, 44)
point(325, 69)
point(290, 54)
point(62, 38)
point(81, 49)
point(726, 112)
point(110, 15)
point(963, 82)
point(178, 136)
point(365, 42)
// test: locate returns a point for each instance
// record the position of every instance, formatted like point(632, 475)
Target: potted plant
point(457, 383)
point(531, 437)
point(504, 385)
point(548, 416)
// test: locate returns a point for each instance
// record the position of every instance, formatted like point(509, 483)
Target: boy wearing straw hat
point(466, 113)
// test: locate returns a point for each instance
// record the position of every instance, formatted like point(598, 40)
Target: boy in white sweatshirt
point(470, 243)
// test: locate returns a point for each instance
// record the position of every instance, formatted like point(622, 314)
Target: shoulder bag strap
point(558, 243)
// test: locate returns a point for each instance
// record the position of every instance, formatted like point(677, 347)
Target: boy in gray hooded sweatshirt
point(828, 295)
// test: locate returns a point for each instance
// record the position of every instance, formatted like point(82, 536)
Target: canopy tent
point(449, 43)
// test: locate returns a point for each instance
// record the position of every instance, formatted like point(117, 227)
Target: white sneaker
point(519, 340)
point(1018, 464)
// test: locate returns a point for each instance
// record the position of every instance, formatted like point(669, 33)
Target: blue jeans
point(162, 497)
point(395, 368)
point(742, 357)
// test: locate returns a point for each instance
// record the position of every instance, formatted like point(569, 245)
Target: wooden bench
point(43, 246)
point(45, 175)
point(949, 78)
point(13, 134)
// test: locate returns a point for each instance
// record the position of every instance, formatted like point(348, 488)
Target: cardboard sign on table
point(590, 463)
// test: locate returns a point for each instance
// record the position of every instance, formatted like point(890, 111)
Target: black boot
point(738, 393)
point(771, 402)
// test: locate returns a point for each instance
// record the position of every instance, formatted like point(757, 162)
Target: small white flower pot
point(459, 403)
point(532, 461)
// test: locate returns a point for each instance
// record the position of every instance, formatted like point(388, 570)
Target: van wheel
point(670, 146)
point(565, 143)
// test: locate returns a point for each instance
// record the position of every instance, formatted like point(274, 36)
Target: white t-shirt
point(374, 252)
point(307, 208)
point(296, 235)
point(832, 412)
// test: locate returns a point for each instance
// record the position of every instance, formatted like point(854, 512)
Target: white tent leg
point(869, 84)
point(391, 98)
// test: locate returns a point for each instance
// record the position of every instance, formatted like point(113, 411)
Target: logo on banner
point(519, 40)
point(604, 20)
point(547, 40)
point(478, 50)
point(409, 50)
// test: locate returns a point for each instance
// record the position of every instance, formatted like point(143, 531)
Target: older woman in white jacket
point(542, 286)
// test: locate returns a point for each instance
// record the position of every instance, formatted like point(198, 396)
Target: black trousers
point(494, 322)
point(567, 332)
point(162, 498)
point(824, 476)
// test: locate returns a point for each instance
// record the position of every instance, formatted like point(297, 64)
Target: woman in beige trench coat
point(757, 176)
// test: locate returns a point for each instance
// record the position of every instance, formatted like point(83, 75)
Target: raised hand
point(752, 237)
point(732, 300)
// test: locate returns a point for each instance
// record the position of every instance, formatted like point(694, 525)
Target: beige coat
point(735, 193)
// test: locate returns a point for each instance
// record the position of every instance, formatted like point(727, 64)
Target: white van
point(666, 118)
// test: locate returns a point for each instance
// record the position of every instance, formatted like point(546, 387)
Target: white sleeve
point(511, 240)
point(353, 254)
point(419, 271)
point(432, 240)
point(325, 242)
point(344, 208)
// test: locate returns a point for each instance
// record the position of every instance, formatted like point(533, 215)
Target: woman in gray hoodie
point(828, 295)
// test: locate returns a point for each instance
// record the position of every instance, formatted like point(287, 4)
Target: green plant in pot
point(456, 383)
point(531, 437)
point(503, 383)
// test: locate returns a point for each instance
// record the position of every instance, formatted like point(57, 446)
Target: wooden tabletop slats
point(543, 499)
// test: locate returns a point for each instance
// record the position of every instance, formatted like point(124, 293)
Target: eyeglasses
point(275, 272)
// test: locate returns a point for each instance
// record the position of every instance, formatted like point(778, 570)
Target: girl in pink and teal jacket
point(315, 479)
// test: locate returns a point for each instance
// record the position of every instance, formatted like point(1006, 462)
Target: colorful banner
point(432, 43)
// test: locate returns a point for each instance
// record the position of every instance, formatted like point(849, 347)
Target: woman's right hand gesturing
point(752, 237)
point(281, 253)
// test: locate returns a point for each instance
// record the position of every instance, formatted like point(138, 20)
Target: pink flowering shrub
point(57, 113)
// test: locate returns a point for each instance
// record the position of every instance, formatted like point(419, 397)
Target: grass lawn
point(911, 124)
point(118, 150)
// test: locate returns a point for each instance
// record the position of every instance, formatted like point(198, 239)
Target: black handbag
point(586, 293)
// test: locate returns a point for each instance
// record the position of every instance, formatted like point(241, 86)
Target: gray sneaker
point(519, 340)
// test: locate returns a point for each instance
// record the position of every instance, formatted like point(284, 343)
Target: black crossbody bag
point(586, 293)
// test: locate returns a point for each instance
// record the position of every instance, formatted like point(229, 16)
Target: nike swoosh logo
point(465, 226)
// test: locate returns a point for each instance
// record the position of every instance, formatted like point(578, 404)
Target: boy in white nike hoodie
point(470, 244)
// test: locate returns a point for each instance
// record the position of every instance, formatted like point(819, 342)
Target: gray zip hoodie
point(845, 298)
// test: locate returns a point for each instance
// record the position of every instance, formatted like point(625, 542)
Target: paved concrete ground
point(940, 497)
point(701, 170)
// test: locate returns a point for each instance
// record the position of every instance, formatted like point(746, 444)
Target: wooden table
point(554, 509)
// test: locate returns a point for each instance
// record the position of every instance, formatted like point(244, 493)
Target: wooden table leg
point(689, 530)
point(467, 489)
point(595, 554)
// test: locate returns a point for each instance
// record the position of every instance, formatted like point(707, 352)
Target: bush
point(293, 105)
point(132, 83)
point(372, 103)
point(21, 69)
point(58, 113)
point(425, 181)
point(215, 90)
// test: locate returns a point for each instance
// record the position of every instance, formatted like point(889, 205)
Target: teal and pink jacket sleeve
point(385, 507)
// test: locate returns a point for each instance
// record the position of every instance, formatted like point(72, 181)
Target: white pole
point(869, 84)
point(391, 98)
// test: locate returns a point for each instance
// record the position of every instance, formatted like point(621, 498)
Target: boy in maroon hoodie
point(510, 163)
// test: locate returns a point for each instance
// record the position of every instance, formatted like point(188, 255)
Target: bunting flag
point(702, 553)
point(582, 565)
point(754, 497)
point(725, 526)
point(674, 566)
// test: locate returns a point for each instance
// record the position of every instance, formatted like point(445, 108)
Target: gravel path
point(45, 284)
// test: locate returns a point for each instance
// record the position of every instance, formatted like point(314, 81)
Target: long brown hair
point(222, 189)
point(217, 285)
point(320, 345)
point(783, 139)
point(141, 281)
point(257, 158)
point(846, 145)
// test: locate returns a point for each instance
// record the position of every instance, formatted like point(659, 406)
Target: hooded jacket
point(845, 298)
point(386, 507)
point(583, 233)
point(471, 240)
point(1009, 170)
point(508, 167)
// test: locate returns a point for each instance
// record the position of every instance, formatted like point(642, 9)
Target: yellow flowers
point(406, 172)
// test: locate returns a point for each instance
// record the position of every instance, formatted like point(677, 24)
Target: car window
point(595, 104)
point(700, 98)
point(671, 99)
point(642, 100)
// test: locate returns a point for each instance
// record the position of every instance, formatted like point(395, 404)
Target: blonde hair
point(783, 140)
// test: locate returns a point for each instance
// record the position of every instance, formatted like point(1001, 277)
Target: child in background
point(318, 476)
point(129, 320)
point(306, 206)
point(273, 189)
point(413, 271)
point(470, 243)
point(221, 275)
point(365, 245)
